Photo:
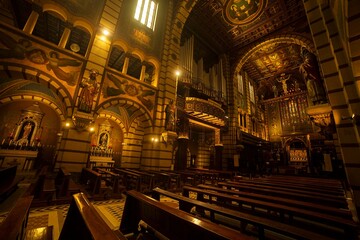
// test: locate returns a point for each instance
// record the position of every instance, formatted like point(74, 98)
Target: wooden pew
point(15, 224)
point(262, 224)
point(289, 189)
point(132, 180)
point(328, 201)
point(146, 181)
point(161, 179)
point(190, 177)
point(218, 175)
point(43, 188)
point(65, 186)
point(84, 222)
point(8, 181)
point(301, 217)
point(318, 180)
point(175, 179)
point(93, 182)
point(169, 222)
point(294, 186)
point(113, 180)
point(316, 207)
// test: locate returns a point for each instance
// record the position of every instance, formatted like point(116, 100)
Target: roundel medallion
point(241, 12)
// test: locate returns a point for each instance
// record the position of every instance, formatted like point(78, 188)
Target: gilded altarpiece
point(288, 116)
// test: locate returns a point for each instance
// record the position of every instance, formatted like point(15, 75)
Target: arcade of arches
point(205, 85)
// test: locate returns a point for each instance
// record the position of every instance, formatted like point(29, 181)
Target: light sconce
point(105, 32)
point(168, 137)
point(354, 117)
point(154, 139)
point(91, 129)
point(177, 73)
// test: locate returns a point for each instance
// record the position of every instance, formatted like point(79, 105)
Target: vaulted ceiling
point(235, 26)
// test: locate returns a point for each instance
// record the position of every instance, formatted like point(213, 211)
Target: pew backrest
point(170, 222)
point(84, 222)
point(15, 224)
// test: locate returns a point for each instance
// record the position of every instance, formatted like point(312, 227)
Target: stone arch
point(182, 13)
point(131, 106)
point(57, 10)
point(33, 97)
point(121, 44)
point(27, 73)
point(79, 23)
point(286, 38)
point(137, 53)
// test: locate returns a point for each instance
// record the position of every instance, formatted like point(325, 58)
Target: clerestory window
point(145, 13)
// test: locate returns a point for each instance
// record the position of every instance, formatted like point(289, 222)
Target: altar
point(103, 162)
point(23, 158)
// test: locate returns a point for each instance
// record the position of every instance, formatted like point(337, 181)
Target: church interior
point(179, 119)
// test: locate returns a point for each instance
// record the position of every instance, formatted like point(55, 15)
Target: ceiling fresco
point(272, 60)
point(240, 12)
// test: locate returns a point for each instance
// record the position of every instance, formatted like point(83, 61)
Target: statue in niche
point(25, 133)
point(170, 116)
point(88, 92)
point(103, 140)
point(310, 72)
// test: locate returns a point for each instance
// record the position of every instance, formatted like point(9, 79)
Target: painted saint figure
point(25, 134)
point(310, 72)
point(170, 116)
point(88, 92)
point(27, 129)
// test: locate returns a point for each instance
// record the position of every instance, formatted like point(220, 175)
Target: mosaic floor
point(110, 210)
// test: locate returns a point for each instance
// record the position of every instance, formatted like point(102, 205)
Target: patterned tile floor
point(110, 210)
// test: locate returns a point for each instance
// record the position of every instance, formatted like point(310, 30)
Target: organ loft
point(243, 110)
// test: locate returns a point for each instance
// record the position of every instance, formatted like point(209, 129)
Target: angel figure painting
point(23, 49)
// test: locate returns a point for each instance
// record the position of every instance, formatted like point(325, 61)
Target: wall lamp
point(354, 117)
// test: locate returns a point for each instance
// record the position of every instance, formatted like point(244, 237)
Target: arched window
point(22, 10)
point(117, 58)
point(134, 68)
point(49, 27)
point(149, 73)
point(78, 41)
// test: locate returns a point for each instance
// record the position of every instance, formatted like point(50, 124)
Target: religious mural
point(243, 11)
point(311, 74)
point(116, 86)
point(27, 53)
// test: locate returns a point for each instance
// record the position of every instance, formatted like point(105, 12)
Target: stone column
point(142, 74)
point(65, 36)
point(126, 64)
point(218, 156)
point(31, 22)
point(181, 154)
